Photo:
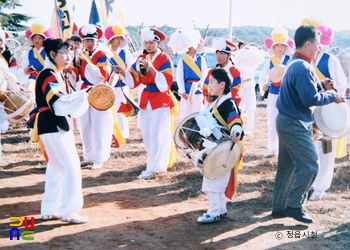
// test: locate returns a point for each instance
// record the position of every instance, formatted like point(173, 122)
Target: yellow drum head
point(221, 160)
point(276, 73)
point(101, 97)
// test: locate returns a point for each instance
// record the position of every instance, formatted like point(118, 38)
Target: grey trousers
point(297, 164)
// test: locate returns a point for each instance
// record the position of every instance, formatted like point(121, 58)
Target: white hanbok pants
point(96, 129)
point(325, 167)
point(215, 190)
point(248, 103)
point(272, 137)
point(187, 107)
point(63, 194)
point(156, 135)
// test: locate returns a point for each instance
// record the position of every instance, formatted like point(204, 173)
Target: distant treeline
point(250, 34)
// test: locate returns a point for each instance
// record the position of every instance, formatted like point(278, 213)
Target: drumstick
point(332, 85)
point(187, 153)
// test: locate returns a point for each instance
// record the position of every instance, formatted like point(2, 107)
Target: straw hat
point(115, 31)
point(309, 21)
point(327, 34)
point(37, 29)
point(279, 35)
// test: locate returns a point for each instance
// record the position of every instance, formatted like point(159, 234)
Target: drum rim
point(333, 134)
point(275, 70)
point(177, 131)
point(226, 145)
point(91, 94)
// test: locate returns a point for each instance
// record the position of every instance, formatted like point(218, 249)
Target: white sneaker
point(317, 195)
point(269, 155)
point(97, 165)
point(74, 219)
point(146, 175)
point(207, 218)
point(49, 217)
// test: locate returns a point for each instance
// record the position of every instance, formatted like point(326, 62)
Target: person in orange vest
point(224, 48)
point(154, 70)
point(96, 127)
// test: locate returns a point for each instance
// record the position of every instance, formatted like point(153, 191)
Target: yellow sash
point(119, 60)
point(86, 53)
point(38, 55)
point(116, 129)
point(218, 116)
point(2, 57)
point(187, 59)
point(340, 147)
point(319, 74)
point(275, 61)
point(34, 137)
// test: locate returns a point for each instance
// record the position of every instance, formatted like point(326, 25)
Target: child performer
point(225, 111)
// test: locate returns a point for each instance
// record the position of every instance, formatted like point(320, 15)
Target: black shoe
point(278, 215)
point(309, 194)
point(298, 214)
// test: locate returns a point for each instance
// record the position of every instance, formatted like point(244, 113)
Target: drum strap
point(60, 79)
point(218, 116)
point(35, 133)
point(2, 57)
point(87, 56)
point(149, 58)
point(275, 61)
point(187, 59)
point(119, 60)
point(38, 55)
point(318, 72)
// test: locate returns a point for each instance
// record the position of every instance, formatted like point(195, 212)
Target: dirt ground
point(161, 214)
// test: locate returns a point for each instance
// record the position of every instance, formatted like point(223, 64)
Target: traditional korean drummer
point(96, 127)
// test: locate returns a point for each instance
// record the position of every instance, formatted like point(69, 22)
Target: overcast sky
point(187, 13)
